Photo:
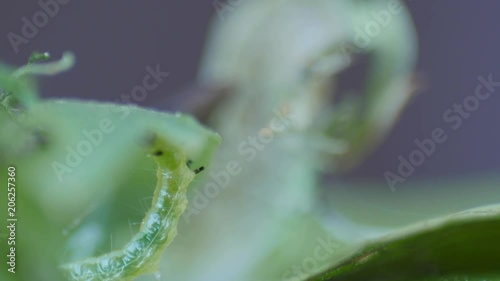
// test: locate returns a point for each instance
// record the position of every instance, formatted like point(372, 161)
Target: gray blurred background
point(115, 41)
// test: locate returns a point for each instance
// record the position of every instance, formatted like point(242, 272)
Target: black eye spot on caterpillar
point(158, 153)
point(197, 171)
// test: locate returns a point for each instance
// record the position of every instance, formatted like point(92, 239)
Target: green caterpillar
point(63, 125)
point(159, 227)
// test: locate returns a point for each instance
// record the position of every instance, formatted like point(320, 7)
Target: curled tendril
point(17, 87)
point(48, 68)
point(37, 57)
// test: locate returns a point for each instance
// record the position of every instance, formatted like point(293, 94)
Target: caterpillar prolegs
point(142, 253)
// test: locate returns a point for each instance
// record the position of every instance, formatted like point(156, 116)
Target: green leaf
point(456, 247)
point(79, 154)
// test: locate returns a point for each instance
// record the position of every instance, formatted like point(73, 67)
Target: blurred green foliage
point(259, 211)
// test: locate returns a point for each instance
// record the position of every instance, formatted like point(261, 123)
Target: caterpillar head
point(184, 142)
